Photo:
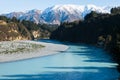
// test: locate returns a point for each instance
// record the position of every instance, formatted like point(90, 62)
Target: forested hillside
point(98, 29)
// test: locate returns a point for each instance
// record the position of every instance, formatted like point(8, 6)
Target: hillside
point(13, 29)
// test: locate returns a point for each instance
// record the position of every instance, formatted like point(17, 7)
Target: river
point(79, 62)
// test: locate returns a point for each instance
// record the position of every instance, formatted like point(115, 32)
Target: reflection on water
point(79, 62)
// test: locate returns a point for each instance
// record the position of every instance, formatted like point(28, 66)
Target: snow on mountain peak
point(59, 13)
point(34, 11)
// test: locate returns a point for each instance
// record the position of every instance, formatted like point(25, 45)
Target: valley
point(87, 38)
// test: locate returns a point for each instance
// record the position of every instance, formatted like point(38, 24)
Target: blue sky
point(7, 6)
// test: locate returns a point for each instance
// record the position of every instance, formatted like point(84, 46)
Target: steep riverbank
point(20, 50)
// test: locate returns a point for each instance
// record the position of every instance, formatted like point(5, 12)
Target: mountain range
point(58, 13)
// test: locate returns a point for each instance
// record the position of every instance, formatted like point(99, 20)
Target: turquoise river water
point(79, 62)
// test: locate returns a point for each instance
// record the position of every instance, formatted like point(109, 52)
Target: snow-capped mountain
point(32, 15)
point(58, 13)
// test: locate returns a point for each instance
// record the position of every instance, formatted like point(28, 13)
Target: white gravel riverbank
point(19, 50)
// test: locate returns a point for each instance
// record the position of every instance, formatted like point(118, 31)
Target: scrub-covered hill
point(13, 29)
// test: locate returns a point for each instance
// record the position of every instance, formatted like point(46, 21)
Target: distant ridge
point(58, 13)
